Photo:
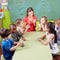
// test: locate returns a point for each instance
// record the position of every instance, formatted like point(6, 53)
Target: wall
point(49, 8)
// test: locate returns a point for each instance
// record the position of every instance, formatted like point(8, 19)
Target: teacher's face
point(31, 13)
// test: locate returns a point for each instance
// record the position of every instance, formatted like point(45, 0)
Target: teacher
point(30, 20)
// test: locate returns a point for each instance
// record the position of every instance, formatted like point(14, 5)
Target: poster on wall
point(4, 2)
point(0, 3)
point(1, 10)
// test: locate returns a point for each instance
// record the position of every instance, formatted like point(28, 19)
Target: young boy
point(7, 44)
point(15, 35)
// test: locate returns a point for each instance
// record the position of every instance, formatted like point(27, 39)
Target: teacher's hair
point(29, 10)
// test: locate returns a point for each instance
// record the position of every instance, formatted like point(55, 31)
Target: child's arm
point(27, 27)
point(23, 38)
point(43, 27)
point(8, 47)
point(14, 47)
point(39, 27)
point(43, 37)
point(47, 41)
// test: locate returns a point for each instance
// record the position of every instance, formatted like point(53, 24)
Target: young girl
point(19, 25)
point(7, 44)
point(51, 38)
point(30, 20)
point(43, 23)
point(57, 28)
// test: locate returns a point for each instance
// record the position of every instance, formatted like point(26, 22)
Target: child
point(30, 20)
point(7, 44)
point(19, 25)
point(57, 28)
point(51, 38)
point(42, 24)
point(15, 35)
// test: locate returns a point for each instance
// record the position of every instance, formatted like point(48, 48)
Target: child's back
point(6, 45)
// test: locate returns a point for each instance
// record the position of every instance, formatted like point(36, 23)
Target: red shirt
point(31, 23)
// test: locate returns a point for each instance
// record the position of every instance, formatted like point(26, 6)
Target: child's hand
point(15, 43)
point(23, 39)
point(21, 44)
point(27, 26)
point(18, 43)
point(39, 39)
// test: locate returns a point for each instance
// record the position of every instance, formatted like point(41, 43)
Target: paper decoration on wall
point(1, 13)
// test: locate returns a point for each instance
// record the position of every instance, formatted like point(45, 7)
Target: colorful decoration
point(5, 13)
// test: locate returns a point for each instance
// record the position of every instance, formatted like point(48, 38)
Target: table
point(33, 49)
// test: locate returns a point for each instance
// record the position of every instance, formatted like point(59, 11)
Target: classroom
point(30, 29)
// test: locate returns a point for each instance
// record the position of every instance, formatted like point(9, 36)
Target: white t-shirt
point(53, 46)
